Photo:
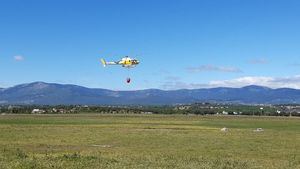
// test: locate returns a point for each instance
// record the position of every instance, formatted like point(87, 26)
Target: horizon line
point(213, 87)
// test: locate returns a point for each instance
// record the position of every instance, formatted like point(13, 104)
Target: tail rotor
point(103, 62)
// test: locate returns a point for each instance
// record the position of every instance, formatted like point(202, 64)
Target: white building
point(225, 113)
point(37, 111)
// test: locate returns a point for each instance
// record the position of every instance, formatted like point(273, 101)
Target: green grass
point(148, 141)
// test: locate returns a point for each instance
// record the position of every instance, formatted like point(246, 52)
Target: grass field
point(148, 141)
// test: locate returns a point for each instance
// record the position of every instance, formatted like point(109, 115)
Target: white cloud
point(272, 82)
point(213, 68)
point(18, 58)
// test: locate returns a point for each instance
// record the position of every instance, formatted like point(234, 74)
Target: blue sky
point(180, 44)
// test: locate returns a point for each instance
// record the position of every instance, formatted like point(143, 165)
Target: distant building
point(146, 112)
point(182, 108)
point(37, 111)
point(225, 113)
point(62, 111)
point(54, 110)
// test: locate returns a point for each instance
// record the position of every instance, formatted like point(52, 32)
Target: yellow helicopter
point(126, 62)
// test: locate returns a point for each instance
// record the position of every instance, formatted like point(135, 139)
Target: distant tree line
point(196, 109)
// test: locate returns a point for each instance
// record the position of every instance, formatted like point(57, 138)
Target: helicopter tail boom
point(104, 63)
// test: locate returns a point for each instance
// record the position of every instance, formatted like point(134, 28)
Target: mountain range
point(41, 93)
